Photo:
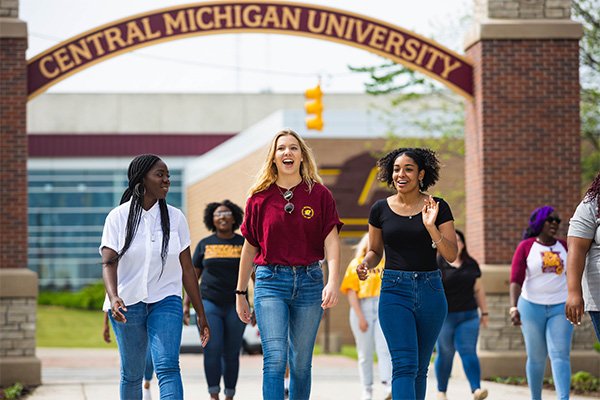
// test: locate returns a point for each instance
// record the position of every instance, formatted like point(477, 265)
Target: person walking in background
point(583, 260)
point(148, 371)
point(363, 297)
point(217, 261)
point(146, 256)
point(410, 225)
point(538, 291)
point(291, 224)
point(465, 294)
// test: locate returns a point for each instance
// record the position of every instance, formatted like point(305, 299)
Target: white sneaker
point(442, 396)
point(367, 394)
point(480, 394)
point(146, 394)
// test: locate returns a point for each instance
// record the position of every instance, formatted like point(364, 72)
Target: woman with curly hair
point(583, 260)
point(538, 290)
point(411, 226)
point(217, 263)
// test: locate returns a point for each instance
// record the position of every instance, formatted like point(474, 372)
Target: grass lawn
point(67, 327)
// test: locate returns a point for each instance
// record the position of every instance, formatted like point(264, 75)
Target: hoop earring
point(139, 190)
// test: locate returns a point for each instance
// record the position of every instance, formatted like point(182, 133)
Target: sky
point(248, 63)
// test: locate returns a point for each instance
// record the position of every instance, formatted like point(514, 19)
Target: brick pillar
point(522, 142)
point(18, 285)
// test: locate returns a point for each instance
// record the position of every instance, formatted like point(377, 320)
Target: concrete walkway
point(93, 374)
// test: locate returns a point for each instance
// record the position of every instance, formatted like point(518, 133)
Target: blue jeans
point(222, 353)
point(149, 370)
point(287, 301)
point(158, 326)
point(595, 316)
point(412, 309)
point(547, 332)
point(459, 333)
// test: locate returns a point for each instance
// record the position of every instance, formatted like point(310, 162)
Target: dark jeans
point(222, 353)
point(459, 333)
point(412, 309)
point(595, 316)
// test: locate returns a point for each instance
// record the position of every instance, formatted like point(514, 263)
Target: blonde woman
point(363, 297)
point(290, 224)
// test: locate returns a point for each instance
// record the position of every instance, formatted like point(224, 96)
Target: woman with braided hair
point(411, 226)
point(583, 260)
point(146, 256)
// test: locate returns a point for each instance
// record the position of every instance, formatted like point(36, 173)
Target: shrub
point(89, 298)
point(13, 392)
point(582, 382)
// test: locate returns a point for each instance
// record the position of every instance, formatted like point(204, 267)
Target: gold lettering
point(312, 14)
point(435, 54)
point(339, 25)
point(419, 59)
point(395, 40)
point(95, 39)
point(271, 17)
point(148, 30)
point(361, 34)
point(63, 60)
point(113, 35)
point(238, 16)
point(82, 50)
point(200, 20)
point(44, 69)
point(192, 20)
point(222, 15)
point(350, 29)
point(249, 15)
point(448, 67)
point(133, 33)
point(290, 18)
point(377, 37)
point(179, 22)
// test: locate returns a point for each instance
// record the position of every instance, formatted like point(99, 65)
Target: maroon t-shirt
point(290, 239)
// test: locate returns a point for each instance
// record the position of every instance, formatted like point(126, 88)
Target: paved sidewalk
point(93, 374)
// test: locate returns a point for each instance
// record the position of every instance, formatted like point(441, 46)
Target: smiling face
point(157, 182)
point(288, 155)
point(406, 174)
point(551, 225)
point(223, 220)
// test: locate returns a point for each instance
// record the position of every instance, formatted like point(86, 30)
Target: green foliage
point(68, 327)
point(582, 382)
point(13, 392)
point(89, 298)
point(509, 380)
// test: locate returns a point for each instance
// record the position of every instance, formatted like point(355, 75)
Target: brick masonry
point(17, 319)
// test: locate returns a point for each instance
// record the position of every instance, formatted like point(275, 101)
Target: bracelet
point(242, 292)
point(434, 243)
point(484, 314)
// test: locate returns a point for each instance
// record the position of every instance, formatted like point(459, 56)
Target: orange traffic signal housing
point(314, 108)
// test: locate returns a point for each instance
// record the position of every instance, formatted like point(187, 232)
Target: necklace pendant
point(288, 195)
point(410, 217)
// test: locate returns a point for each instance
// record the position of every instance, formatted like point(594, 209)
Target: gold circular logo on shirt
point(308, 212)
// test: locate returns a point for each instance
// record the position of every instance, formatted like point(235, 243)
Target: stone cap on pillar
point(511, 29)
point(12, 28)
point(18, 282)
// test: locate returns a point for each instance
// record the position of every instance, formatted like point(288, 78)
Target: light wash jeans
point(412, 309)
point(547, 332)
point(459, 333)
point(287, 301)
point(157, 325)
point(367, 342)
point(222, 353)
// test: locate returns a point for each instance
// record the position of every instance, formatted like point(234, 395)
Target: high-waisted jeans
point(459, 333)
point(546, 331)
point(157, 325)
point(287, 301)
point(412, 309)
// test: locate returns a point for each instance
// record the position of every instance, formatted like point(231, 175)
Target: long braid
point(165, 224)
point(593, 193)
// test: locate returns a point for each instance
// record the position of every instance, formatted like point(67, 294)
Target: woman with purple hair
point(538, 292)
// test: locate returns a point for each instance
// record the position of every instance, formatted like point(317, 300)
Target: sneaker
point(286, 393)
point(480, 394)
point(146, 394)
point(442, 396)
point(366, 394)
point(389, 396)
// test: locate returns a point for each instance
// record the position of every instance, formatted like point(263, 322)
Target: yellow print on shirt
point(222, 251)
point(552, 263)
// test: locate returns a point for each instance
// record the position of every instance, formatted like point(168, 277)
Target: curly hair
point(426, 159)
point(236, 211)
point(593, 193)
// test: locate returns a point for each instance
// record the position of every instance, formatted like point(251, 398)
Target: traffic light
point(314, 108)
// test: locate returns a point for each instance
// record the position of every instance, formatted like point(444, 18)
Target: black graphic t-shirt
point(219, 262)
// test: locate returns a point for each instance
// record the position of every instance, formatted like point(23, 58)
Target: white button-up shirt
point(139, 275)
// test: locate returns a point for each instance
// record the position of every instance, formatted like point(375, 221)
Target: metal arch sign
point(244, 16)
